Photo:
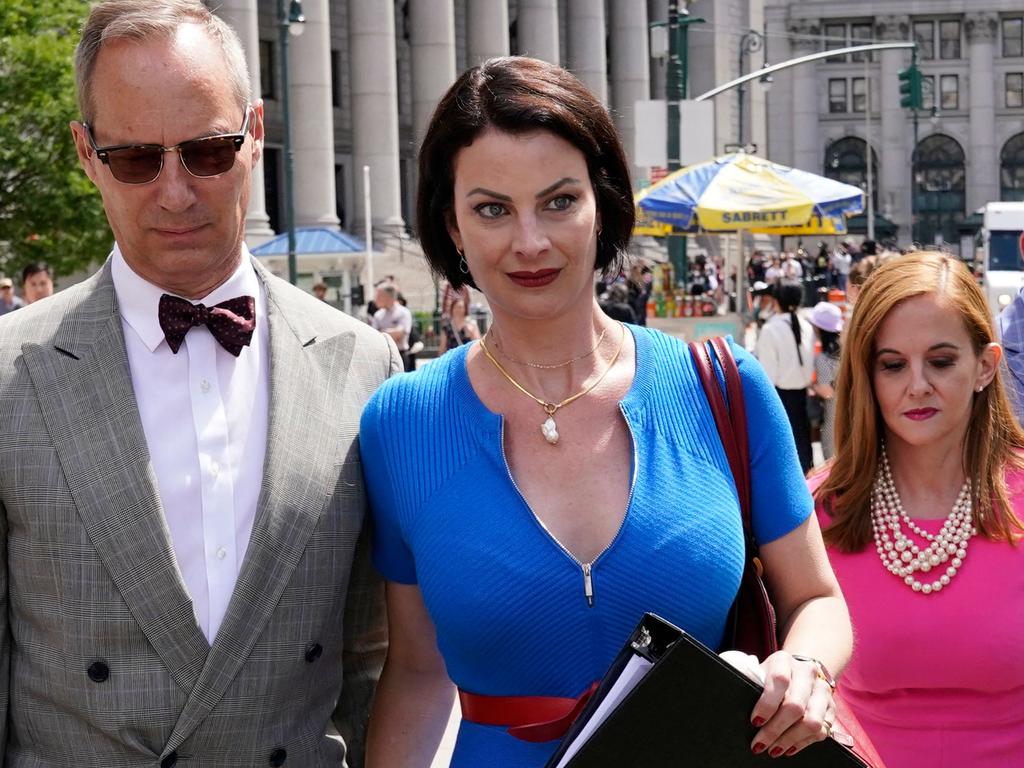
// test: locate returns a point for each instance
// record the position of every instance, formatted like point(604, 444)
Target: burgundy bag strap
point(730, 418)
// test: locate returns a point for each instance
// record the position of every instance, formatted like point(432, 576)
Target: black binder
point(691, 708)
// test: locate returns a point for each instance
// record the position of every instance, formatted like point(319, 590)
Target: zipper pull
point(588, 585)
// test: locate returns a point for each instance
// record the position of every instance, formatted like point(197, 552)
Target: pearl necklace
point(898, 552)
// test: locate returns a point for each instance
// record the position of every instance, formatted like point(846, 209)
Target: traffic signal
point(910, 87)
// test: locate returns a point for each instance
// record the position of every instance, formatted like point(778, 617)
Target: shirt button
point(222, 553)
point(214, 468)
point(204, 385)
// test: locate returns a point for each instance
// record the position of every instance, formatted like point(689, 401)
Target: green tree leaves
point(49, 210)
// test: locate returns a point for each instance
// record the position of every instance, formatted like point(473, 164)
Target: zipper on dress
point(586, 568)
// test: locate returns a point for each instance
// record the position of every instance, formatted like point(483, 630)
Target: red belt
point(529, 718)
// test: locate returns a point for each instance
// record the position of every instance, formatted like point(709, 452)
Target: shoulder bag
point(751, 627)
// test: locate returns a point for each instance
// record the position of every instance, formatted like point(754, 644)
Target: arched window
point(1011, 169)
point(844, 161)
point(939, 190)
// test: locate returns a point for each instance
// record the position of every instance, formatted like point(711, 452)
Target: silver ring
point(828, 729)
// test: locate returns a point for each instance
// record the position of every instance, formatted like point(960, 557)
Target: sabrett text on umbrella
point(748, 216)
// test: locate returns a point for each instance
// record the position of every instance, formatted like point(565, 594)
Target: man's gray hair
point(389, 288)
point(146, 19)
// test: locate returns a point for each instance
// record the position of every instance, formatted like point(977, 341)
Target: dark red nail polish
point(758, 722)
point(758, 748)
point(790, 751)
point(776, 751)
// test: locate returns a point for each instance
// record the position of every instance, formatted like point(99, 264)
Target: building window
point(268, 69)
point(939, 184)
point(859, 92)
point(844, 161)
point(1011, 170)
point(835, 37)
point(927, 91)
point(949, 39)
point(861, 34)
point(949, 91)
point(1013, 37)
point(924, 35)
point(1015, 89)
point(336, 79)
point(837, 95)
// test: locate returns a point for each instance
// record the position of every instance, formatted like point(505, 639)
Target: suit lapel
point(88, 405)
point(304, 448)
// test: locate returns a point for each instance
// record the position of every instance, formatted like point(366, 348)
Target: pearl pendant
point(550, 431)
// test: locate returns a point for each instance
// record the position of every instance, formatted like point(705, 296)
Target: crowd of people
point(235, 532)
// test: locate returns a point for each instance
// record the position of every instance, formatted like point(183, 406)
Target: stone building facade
point(970, 134)
point(366, 74)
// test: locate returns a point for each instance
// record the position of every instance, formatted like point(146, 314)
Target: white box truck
point(1002, 253)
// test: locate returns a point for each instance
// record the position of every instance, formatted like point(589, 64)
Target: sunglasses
point(142, 163)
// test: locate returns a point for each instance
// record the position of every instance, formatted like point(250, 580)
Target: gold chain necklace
point(549, 429)
point(511, 359)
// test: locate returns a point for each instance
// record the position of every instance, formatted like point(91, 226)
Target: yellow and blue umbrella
point(740, 191)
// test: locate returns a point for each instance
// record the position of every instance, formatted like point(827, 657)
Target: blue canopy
point(312, 241)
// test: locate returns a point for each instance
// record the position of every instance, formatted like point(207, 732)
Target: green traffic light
point(910, 87)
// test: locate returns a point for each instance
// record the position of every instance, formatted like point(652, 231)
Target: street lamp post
point(290, 21)
point(679, 22)
point(751, 42)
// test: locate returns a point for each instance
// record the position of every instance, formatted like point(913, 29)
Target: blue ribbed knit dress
point(507, 601)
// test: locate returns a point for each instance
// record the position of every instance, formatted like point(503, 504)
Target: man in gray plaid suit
point(185, 569)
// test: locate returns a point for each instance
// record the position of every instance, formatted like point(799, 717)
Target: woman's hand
point(796, 708)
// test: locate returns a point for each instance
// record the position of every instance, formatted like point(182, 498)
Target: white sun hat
point(827, 317)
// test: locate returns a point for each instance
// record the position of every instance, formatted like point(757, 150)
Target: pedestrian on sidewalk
point(785, 348)
point(827, 320)
point(921, 509)
point(503, 477)
point(185, 575)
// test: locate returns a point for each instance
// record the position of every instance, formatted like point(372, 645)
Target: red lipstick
point(536, 279)
point(920, 414)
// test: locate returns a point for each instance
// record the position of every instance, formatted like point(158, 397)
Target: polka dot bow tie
point(231, 322)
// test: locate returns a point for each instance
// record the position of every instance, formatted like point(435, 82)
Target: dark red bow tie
point(231, 322)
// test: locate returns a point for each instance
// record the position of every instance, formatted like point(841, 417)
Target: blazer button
point(170, 761)
point(313, 652)
point(278, 756)
point(98, 672)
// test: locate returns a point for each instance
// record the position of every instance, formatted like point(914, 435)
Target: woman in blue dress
point(535, 492)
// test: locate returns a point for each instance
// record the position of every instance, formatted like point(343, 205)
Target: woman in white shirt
point(785, 348)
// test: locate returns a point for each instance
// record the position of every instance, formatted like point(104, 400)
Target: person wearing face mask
point(785, 348)
point(530, 481)
point(921, 509)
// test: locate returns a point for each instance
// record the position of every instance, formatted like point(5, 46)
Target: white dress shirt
point(777, 352)
point(204, 413)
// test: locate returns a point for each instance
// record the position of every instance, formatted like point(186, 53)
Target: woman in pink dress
point(921, 509)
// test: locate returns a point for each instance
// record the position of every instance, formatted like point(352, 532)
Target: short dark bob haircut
point(520, 95)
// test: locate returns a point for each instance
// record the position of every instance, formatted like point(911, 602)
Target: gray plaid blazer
point(102, 663)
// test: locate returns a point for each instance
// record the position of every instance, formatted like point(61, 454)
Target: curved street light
point(751, 42)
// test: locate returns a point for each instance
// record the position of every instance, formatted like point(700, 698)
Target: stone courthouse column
point(538, 29)
point(587, 58)
point(486, 30)
point(371, 30)
point(982, 157)
point(242, 16)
